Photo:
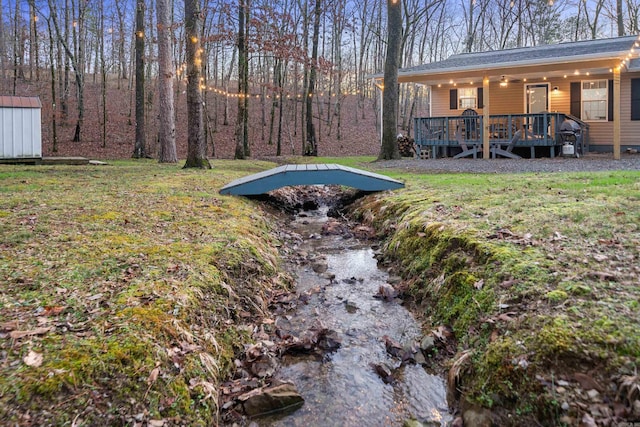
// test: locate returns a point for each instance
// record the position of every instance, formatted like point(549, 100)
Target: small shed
point(20, 129)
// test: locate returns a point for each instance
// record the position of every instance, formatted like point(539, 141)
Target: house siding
point(510, 100)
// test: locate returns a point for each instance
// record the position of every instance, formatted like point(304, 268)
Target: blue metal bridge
point(311, 174)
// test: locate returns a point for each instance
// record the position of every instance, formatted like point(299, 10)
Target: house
point(20, 129)
point(517, 98)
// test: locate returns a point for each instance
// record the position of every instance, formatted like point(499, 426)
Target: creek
point(345, 387)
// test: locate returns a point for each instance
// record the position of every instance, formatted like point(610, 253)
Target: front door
point(536, 97)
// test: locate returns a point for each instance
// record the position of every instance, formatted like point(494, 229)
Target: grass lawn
point(126, 289)
point(537, 275)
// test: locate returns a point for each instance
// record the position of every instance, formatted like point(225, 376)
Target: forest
point(269, 72)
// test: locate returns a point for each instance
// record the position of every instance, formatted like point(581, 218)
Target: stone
point(350, 306)
point(384, 372)
point(330, 341)
point(477, 417)
point(394, 280)
point(319, 267)
point(386, 292)
point(565, 406)
point(427, 344)
point(420, 359)
point(594, 395)
point(271, 399)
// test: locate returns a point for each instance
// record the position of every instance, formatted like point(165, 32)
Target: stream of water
point(342, 388)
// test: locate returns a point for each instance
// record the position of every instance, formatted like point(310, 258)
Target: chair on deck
point(471, 123)
point(538, 127)
point(468, 130)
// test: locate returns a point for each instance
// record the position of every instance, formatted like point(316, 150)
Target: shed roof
point(20, 102)
point(561, 56)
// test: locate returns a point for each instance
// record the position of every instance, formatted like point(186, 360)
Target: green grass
point(565, 244)
point(138, 265)
point(130, 266)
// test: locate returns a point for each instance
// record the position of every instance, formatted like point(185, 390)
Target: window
point(594, 100)
point(467, 98)
point(635, 99)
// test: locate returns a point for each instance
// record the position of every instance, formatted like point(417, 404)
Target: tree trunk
point(3, 48)
point(103, 75)
point(64, 101)
point(16, 47)
point(33, 42)
point(54, 127)
point(311, 147)
point(619, 18)
point(122, 61)
point(389, 148)
point(166, 126)
point(140, 149)
point(196, 144)
point(241, 153)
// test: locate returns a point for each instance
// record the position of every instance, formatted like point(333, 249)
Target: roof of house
point(20, 102)
point(562, 53)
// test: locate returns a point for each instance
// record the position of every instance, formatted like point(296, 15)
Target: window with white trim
point(467, 98)
point(594, 100)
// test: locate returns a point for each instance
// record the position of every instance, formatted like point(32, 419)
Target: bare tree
point(242, 145)
point(3, 47)
point(52, 66)
point(103, 72)
point(75, 58)
point(196, 144)
point(34, 57)
point(140, 149)
point(122, 61)
point(389, 148)
point(166, 126)
point(311, 148)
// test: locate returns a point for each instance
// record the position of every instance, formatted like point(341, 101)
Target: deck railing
point(506, 131)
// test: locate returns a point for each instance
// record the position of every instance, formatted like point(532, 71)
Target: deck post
point(616, 113)
point(486, 152)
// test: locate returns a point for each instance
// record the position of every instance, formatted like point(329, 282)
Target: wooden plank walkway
point(312, 174)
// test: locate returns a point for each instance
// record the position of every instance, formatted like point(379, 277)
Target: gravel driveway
point(589, 163)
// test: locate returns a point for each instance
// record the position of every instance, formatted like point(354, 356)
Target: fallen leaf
point(8, 326)
point(156, 423)
point(506, 317)
point(33, 359)
point(20, 334)
point(588, 421)
point(153, 376)
point(479, 284)
point(53, 310)
point(94, 297)
point(587, 382)
point(600, 257)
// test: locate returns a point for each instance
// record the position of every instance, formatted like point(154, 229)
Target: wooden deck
point(313, 174)
point(462, 136)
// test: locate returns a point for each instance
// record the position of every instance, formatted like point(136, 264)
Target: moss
point(556, 295)
point(555, 339)
point(498, 378)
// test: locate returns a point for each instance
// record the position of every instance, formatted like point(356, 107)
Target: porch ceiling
point(512, 73)
point(589, 57)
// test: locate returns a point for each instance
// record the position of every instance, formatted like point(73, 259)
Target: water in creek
point(342, 388)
